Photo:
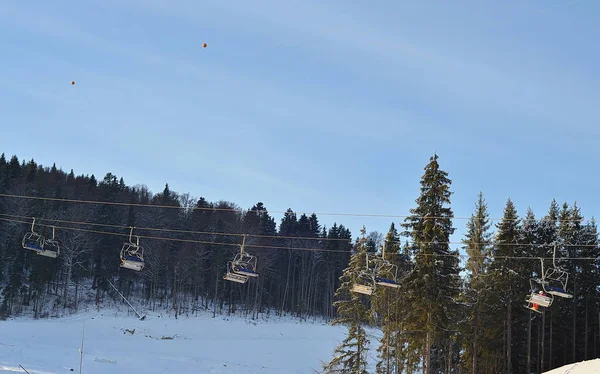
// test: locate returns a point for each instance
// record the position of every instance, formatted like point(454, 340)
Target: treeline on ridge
point(448, 316)
point(300, 261)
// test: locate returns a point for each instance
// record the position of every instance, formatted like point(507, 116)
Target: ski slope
point(114, 343)
point(117, 344)
point(584, 367)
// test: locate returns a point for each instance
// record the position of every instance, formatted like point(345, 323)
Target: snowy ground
point(115, 343)
point(584, 367)
point(162, 344)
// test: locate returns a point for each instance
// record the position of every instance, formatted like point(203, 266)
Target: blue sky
point(326, 108)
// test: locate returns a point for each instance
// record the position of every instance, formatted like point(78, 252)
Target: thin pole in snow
point(81, 349)
point(127, 301)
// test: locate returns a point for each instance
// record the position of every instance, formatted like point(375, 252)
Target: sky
point(327, 107)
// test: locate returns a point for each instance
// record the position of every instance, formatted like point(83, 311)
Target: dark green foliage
point(350, 357)
point(478, 246)
point(183, 269)
point(432, 289)
point(476, 323)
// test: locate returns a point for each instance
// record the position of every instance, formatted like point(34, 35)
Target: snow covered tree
point(350, 357)
point(433, 286)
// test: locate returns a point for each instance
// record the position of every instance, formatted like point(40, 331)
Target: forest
point(454, 310)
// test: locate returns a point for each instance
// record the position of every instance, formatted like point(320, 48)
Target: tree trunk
point(539, 333)
point(69, 272)
point(574, 342)
point(528, 344)
point(428, 343)
point(542, 340)
point(216, 289)
point(509, 339)
point(585, 336)
point(287, 283)
point(475, 335)
point(449, 355)
point(550, 355)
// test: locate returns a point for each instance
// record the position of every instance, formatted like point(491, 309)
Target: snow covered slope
point(584, 367)
point(119, 344)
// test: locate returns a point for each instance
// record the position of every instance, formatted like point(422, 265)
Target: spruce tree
point(478, 246)
point(350, 357)
point(387, 304)
point(509, 282)
point(433, 286)
point(587, 287)
point(529, 239)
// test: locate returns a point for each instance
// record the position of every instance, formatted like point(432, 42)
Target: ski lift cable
point(456, 255)
point(175, 230)
point(83, 223)
point(377, 215)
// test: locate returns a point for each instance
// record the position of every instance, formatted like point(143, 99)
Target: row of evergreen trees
point(184, 269)
point(449, 316)
point(442, 322)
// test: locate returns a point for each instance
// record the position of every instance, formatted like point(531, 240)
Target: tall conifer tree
point(433, 286)
point(509, 281)
point(478, 246)
point(350, 357)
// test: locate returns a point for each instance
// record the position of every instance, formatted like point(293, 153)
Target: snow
point(122, 344)
point(584, 367)
point(118, 343)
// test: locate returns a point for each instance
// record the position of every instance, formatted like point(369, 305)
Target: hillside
point(117, 343)
point(69, 241)
point(584, 367)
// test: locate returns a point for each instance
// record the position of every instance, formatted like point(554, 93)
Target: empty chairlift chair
point(555, 280)
point(132, 254)
point(32, 240)
point(365, 283)
point(51, 247)
point(383, 273)
point(36, 242)
point(242, 266)
point(232, 276)
point(386, 273)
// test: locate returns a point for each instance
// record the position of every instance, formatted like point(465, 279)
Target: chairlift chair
point(386, 282)
point(541, 299)
point(382, 268)
point(538, 297)
point(556, 279)
point(242, 266)
point(232, 276)
point(32, 240)
point(132, 254)
point(556, 282)
point(51, 247)
point(365, 283)
point(537, 300)
point(532, 306)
